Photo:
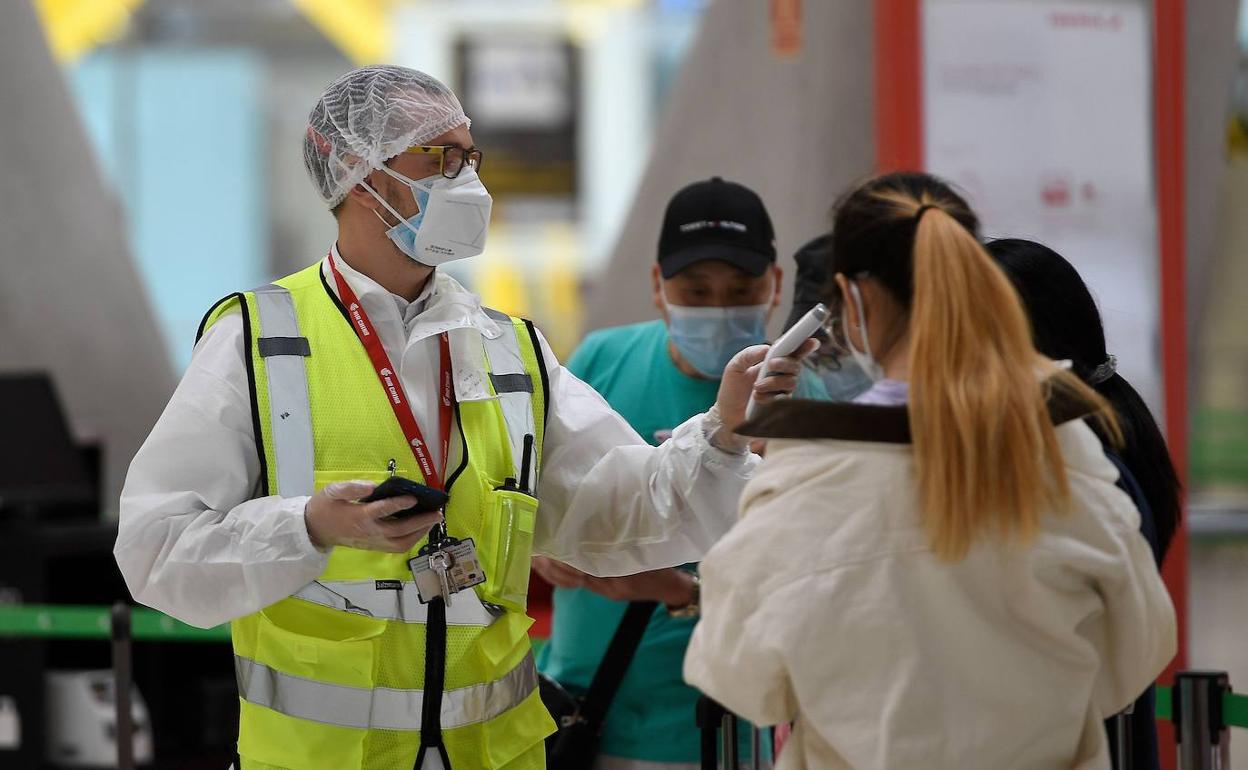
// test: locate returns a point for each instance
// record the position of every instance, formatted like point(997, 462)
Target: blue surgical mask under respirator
point(451, 221)
point(708, 337)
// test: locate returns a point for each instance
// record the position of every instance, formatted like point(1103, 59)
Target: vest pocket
point(518, 735)
point(507, 547)
point(307, 692)
point(513, 738)
point(318, 642)
point(322, 479)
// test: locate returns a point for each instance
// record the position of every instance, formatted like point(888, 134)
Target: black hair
point(811, 277)
point(1066, 325)
point(873, 229)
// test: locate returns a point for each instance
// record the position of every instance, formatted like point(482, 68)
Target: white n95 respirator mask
point(451, 222)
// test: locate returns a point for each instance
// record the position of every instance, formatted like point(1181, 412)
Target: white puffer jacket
point(824, 605)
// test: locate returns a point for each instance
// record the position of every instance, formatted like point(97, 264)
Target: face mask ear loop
point(382, 201)
point(396, 175)
point(412, 184)
point(862, 319)
point(377, 214)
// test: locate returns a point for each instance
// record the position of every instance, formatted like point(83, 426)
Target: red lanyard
point(394, 388)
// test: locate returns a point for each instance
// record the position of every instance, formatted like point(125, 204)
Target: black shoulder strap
point(620, 652)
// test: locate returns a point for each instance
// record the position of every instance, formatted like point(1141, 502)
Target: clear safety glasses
point(451, 159)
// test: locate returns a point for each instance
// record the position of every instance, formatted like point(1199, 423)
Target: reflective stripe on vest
point(380, 708)
point(290, 413)
point(401, 604)
point(514, 387)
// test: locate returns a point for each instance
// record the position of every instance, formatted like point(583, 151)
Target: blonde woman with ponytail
point(943, 573)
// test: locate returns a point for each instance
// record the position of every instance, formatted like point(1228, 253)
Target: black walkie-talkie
point(526, 463)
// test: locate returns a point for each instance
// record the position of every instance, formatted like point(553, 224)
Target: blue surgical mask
point(708, 337)
point(843, 380)
point(404, 233)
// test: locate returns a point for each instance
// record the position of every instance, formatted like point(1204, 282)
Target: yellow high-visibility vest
point(333, 677)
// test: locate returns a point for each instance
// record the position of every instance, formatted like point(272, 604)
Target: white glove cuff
point(719, 436)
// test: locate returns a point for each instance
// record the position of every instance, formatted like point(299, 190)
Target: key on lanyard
point(441, 562)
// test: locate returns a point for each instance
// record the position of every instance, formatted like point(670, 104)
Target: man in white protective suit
point(384, 625)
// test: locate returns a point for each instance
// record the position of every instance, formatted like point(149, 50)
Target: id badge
point(447, 570)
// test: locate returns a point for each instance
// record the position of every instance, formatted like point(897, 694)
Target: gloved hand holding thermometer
point(789, 343)
point(760, 373)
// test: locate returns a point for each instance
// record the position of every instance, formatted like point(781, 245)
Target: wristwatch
point(693, 608)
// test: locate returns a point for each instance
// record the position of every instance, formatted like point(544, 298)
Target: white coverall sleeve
point(191, 542)
point(611, 504)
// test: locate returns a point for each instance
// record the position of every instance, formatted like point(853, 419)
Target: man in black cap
point(716, 283)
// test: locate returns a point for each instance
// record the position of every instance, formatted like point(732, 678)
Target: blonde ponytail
point(986, 451)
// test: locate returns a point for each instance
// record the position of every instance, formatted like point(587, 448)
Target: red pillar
point(898, 85)
point(1169, 73)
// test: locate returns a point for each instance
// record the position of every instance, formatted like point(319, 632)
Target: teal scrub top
point(652, 716)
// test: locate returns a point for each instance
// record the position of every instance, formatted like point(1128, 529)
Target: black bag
point(580, 718)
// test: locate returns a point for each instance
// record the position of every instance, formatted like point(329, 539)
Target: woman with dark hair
point(827, 374)
point(943, 573)
point(1066, 325)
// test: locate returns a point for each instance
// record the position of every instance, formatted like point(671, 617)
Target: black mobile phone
point(428, 499)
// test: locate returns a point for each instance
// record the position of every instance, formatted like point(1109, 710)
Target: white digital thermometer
point(790, 341)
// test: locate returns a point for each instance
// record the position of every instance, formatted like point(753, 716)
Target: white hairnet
point(368, 116)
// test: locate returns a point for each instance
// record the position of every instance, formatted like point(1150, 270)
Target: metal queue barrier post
point(720, 732)
point(718, 727)
point(1200, 726)
point(710, 716)
point(122, 682)
point(121, 625)
point(1122, 739)
point(1201, 704)
point(729, 734)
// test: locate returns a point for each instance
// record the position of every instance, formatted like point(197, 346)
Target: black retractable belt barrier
point(121, 685)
